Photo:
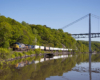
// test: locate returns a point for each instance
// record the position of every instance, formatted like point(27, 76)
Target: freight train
point(24, 47)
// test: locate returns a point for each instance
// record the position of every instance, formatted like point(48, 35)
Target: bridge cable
point(75, 21)
point(98, 25)
point(97, 17)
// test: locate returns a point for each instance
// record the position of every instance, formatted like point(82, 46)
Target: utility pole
point(90, 52)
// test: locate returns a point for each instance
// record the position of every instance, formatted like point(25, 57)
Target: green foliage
point(94, 45)
point(95, 58)
point(1, 63)
point(81, 47)
point(5, 34)
point(20, 54)
point(42, 52)
point(37, 51)
point(53, 37)
point(17, 54)
point(13, 56)
point(24, 23)
point(31, 52)
point(12, 31)
point(24, 52)
point(4, 53)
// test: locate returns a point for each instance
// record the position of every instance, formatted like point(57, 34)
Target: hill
point(12, 31)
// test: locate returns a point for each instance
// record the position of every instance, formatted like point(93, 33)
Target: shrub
point(16, 54)
point(31, 52)
point(12, 56)
point(1, 63)
point(24, 52)
point(27, 53)
point(6, 44)
point(4, 50)
point(37, 51)
point(42, 52)
point(4, 53)
point(20, 54)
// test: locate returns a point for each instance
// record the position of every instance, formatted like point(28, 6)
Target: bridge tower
point(90, 52)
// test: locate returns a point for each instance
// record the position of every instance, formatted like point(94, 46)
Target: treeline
point(95, 46)
point(12, 31)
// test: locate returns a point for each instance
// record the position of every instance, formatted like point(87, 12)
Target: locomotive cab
point(18, 46)
point(15, 46)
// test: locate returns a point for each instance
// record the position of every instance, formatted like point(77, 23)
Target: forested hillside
point(95, 46)
point(12, 31)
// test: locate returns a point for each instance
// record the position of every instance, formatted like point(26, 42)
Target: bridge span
point(86, 35)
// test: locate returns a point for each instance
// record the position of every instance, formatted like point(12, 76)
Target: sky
point(55, 13)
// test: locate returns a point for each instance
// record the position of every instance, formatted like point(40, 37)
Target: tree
point(5, 34)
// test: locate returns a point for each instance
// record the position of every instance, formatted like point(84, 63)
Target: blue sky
point(53, 13)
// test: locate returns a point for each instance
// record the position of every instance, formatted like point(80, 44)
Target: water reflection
point(90, 53)
point(61, 68)
point(80, 72)
point(24, 63)
point(84, 68)
point(87, 72)
point(90, 70)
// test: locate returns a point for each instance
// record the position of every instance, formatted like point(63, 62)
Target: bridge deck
point(86, 35)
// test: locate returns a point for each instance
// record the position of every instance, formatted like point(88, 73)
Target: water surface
point(75, 67)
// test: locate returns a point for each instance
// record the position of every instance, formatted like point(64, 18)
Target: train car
point(61, 49)
point(27, 48)
point(51, 48)
point(56, 49)
point(65, 49)
point(30, 46)
point(70, 49)
point(41, 47)
point(46, 48)
point(36, 47)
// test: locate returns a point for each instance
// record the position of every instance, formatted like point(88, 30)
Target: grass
point(7, 53)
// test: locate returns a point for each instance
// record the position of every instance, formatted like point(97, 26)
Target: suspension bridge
point(86, 35)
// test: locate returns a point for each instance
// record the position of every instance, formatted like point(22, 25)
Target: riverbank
point(8, 54)
point(32, 55)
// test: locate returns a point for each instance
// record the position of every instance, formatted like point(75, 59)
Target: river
point(62, 67)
